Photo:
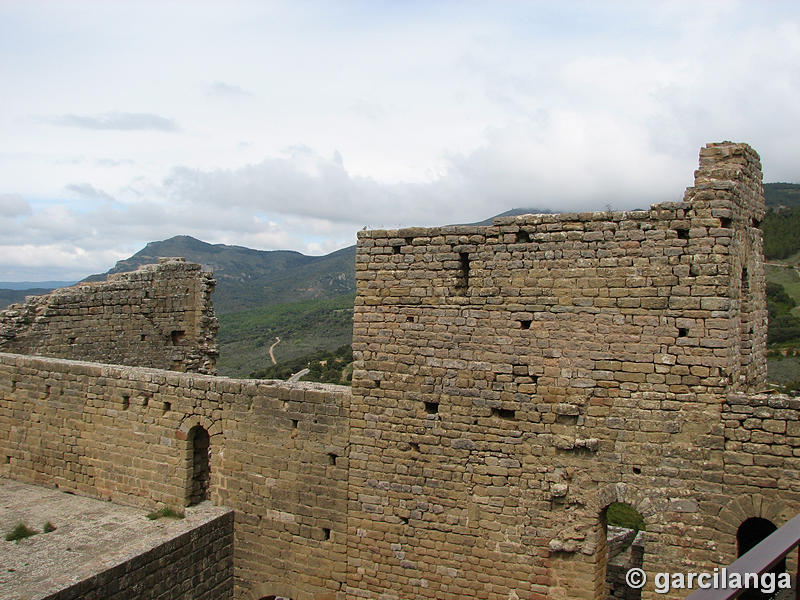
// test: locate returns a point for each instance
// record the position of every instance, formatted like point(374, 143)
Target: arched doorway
point(750, 533)
point(200, 449)
point(624, 549)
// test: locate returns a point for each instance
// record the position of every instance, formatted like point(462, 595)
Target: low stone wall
point(278, 456)
point(158, 316)
point(197, 565)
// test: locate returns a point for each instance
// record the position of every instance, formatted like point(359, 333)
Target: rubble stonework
point(511, 382)
point(157, 316)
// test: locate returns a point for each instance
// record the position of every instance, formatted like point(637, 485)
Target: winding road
point(271, 348)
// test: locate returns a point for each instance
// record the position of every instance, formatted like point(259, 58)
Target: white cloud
point(300, 123)
point(120, 121)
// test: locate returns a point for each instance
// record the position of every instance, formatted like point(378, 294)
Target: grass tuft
point(48, 527)
point(623, 515)
point(20, 532)
point(165, 513)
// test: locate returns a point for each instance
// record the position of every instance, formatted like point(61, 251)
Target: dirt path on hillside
point(271, 348)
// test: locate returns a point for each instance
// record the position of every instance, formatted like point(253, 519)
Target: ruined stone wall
point(197, 565)
point(512, 381)
point(278, 456)
point(158, 316)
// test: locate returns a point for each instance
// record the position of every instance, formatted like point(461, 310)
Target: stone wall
point(158, 316)
point(197, 565)
point(278, 456)
point(512, 381)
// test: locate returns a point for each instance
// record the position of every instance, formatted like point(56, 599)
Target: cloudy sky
point(291, 125)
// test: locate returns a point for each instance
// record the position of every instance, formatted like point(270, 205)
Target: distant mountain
point(782, 194)
point(39, 285)
point(248, 278)
point(512, 213)
point(14, 296)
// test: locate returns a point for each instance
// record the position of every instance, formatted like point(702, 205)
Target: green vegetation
point(20, 532)
point(324, 367)
point(783, 325)
point(48, 527)
point(781, 229)
point(164, 513)
point(620, 514)
point(303, 328)
point(784, 371)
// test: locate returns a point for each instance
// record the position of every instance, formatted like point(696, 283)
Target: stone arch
point(741, 508)
point(202, 444)
point(599, 504)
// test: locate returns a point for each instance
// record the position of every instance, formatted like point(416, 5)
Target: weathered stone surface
point(158, 316)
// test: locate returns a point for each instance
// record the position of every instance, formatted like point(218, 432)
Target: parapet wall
point(159, 316)
point(278, 456)
point(197, 565)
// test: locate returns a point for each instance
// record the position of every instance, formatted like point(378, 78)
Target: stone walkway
point(90, 537)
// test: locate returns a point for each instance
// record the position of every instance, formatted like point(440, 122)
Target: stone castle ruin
point(511, 382)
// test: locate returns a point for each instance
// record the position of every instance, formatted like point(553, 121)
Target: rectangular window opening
point(332, 458)
point(725, 223)
point(523, 237)
point(745, 280)
point(326, 533)
point(683, 331)
point(126, 402)
point(504, 413)
point(177, 337)
point(683, 234)
point(167, 406)
point(525, 324)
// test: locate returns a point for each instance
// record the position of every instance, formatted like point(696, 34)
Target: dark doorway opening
point(750, 533)
point(201, 469)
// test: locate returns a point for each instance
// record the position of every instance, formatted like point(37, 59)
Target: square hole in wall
point(683, 331)
point(523, 237)
point(525, 324)
point(683, 234)
point(432, 408)
point(294, 423)
point(177, 336)
point(167, 406)
point(142, 337)
point(725, 223)
point(332, 458)
point(326, 533)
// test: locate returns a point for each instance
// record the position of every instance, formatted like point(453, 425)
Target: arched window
point(200, 449)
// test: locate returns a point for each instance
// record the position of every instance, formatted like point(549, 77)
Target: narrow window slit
point(326, 533)
point(463, 278)
point(332, 458)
